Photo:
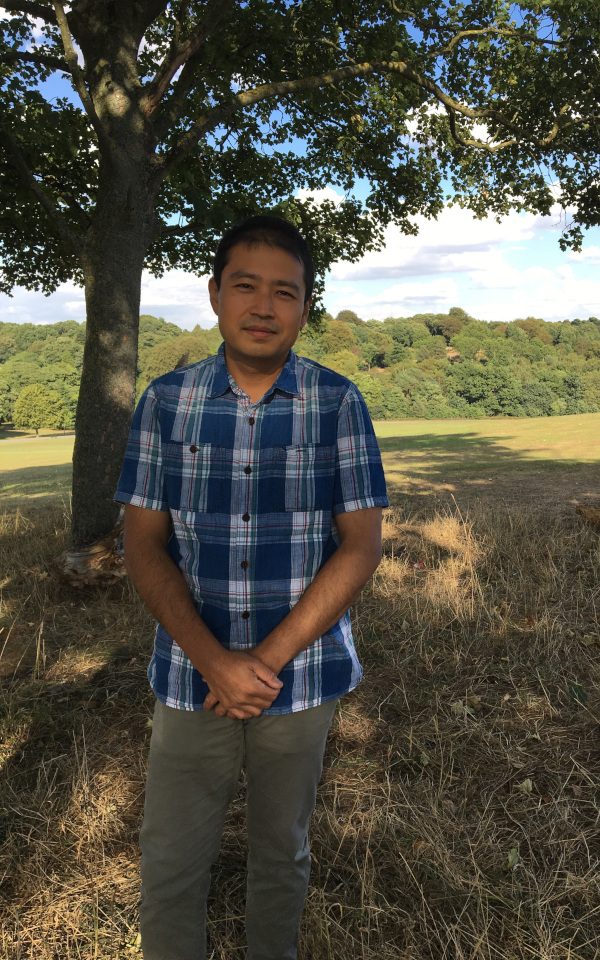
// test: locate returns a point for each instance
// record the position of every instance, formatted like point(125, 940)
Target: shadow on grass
point(8, 432)
point(34, 485)
point(467, 465)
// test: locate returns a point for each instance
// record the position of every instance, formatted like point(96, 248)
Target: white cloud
point(589, 255)
point(179, 297)
point(454, 242)
point(398, 300)
point(496, 271)
point(319, 196)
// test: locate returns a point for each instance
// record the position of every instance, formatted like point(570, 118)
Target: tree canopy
point(184, 116)
point(37, 406)
point(523, 368)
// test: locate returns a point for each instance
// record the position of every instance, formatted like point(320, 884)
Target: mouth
point(260, 333)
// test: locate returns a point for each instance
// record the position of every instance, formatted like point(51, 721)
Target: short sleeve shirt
point(253, 490)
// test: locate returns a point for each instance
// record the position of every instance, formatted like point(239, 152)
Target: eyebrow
point(240, 274)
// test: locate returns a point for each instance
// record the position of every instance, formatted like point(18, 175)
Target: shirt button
point(251, 421)
point(244, 564)
point(247, 469)
point(246, 517)
point(245, 615)
point(193, 448)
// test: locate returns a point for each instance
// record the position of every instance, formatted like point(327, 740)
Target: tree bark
point(113, 259)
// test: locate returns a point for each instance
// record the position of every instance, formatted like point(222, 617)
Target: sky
point(494, 271)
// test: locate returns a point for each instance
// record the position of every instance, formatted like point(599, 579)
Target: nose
point(263, 305)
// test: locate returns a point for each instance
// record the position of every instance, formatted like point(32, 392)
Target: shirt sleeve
point(359, 478)
point(142, 475)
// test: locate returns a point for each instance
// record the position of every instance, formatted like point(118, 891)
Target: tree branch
point(266, 91)
point(494, 31)
point(478, 144)
point(556, 128)
point(181, 53)
point(180, 231)
point(171, 109)
point(38, 10)
point(70, 237)
point(77, 74)
point(45, 60)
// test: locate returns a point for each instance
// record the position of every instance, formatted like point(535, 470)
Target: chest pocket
point(198, 477)
point(309, 477)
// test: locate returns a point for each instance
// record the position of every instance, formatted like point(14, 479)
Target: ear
point(305, 312)
point(213, 293)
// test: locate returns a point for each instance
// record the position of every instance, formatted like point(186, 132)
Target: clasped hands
point(240, 685)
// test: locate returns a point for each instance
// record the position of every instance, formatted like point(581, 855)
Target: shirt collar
point(287, 380)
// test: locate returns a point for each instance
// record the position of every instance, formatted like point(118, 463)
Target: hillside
point(428, 365)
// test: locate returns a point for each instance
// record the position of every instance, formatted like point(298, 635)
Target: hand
point(240, 686)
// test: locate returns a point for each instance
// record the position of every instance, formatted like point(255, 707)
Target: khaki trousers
point(194, 766)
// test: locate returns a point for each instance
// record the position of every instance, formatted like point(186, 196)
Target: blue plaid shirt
point(253, 490)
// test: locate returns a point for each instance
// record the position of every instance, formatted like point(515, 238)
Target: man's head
point(269, 231)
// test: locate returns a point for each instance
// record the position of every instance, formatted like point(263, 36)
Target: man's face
point(260, 304)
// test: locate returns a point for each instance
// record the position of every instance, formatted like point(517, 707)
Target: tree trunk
point(113, 259)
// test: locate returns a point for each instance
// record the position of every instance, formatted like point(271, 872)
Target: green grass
point(421, 457)
point(509, 458)
point(35, 468)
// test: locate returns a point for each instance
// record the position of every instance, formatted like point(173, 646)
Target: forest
point(429, 365)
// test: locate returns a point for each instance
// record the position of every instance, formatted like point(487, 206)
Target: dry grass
point(458, 815)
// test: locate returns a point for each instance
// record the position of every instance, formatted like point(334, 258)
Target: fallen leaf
point(513, 858)
point(526, 786)
point(474, 701)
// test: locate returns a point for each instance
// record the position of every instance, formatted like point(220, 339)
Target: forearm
point(240, 686)
point(321, 605)
point(165, 593)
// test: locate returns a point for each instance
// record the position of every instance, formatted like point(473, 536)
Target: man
point(254, 490)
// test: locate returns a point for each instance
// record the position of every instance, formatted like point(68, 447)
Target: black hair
point(273, 231)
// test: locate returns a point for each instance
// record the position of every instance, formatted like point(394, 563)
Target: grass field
point(34, 468)
point(506, 457)
point(457, 819)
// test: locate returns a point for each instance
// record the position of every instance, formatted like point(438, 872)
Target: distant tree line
point(428, 365)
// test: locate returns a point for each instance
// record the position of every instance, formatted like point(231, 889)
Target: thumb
point(267, 676)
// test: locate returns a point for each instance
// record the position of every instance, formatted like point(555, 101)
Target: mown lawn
point(445, 457)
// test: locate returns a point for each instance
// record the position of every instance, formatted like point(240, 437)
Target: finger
point(210, 701)
point(266, 676)
point(220, 710)
point(236, 714)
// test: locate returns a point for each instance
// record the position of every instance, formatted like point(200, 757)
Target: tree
point(6, 405)
point(338, 336)
point(194, 113)
point(175, 352)
point(37, 406)
point(343, 361)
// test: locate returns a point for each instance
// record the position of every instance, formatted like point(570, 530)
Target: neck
point(254, 376)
